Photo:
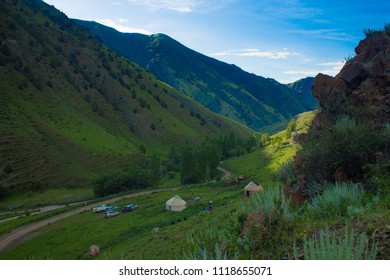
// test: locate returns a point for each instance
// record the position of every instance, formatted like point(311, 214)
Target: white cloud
point(329, 34)
point(329, 68)
point(271, 54)
point(118, 25)
point(182, 6)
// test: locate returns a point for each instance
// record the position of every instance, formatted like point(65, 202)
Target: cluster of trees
point(198, 164)
point(142, 171)
point(195, 165)
point(265, 138)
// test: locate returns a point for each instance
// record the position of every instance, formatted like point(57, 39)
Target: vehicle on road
point(111, 213)
point(99, 208)
point(129, 207)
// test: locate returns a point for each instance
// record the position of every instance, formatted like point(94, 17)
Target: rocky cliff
point(349, 139)
point(361, 89)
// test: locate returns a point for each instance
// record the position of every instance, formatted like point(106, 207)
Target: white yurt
point(252, 188)
point(175, 203)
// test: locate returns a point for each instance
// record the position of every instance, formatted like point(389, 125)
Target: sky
point(286, 40)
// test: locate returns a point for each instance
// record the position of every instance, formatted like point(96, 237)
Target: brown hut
point(252, 188)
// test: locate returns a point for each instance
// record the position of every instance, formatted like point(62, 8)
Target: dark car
point(129, 207)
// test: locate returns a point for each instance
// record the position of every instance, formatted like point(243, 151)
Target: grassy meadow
point(129, 236)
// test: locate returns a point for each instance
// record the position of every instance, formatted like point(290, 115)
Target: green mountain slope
point(226, 89)
point(72, 108)
point(303, 87)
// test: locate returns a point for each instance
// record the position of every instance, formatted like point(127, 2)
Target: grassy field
point(262, 163)
point(129, 236)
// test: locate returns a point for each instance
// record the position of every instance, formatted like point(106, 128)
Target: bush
point(271, 202)
point(286, 173)
point(271, 221)
point(346, 145)
point(327, 246)
point(338, 200)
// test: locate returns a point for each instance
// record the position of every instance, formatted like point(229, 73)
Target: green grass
point(129, 235)
point(39, 198)
point(262, 164)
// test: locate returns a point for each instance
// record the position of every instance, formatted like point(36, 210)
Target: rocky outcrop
point(362, 85)
point(361, 92)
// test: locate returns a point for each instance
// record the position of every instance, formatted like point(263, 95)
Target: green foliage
point(276, 141)
point(215, 84)
point(200, 245)
point(339, 200)
point(328, 246)
point(264, 139)
point(287, 173)
point(271, 221)
point(370, 31)
point(345, 145)
point(200, 164)
point(143, 172)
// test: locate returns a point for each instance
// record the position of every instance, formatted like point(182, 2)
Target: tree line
point(198, 164)
point(142, 171)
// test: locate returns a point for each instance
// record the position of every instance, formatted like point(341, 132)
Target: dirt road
point(24, 233)
point(226, 174)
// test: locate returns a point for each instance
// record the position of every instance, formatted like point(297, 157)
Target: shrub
point(271, 221)
point(271, 202)
point(286, 173)
point(328, 246)
point(338, 200)
point(210, 244)
point(345, 145)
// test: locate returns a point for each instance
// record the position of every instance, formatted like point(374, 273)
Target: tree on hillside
point(264, 139)
point(292, 125)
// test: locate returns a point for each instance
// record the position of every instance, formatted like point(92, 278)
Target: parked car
point(129, 207)
point(99, 208)
point(111, 213)
point(111, 208)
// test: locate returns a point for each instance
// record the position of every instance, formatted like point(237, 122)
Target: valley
point(91, 116)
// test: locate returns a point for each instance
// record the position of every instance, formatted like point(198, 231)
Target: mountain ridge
point(223, 88)
point(72, 108)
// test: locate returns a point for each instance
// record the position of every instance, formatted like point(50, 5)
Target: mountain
point(72, 108)
point(303, 87)
point(225, 89)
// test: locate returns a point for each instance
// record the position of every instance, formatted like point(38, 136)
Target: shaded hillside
point(72, 108)
point(226, 89)
point(303, 87)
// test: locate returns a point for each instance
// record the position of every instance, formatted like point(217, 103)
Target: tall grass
point(272, 201)
point(328, 246)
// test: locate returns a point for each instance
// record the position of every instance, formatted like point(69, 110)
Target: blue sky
point(283, 39)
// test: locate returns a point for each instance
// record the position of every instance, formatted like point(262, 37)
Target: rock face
point(361, 92)
point(363, 83)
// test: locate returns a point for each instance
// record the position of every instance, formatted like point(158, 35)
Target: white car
point(100, 208)
point(111, 213)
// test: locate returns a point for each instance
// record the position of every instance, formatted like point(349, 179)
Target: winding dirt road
point(26, 232)
point(226, 174)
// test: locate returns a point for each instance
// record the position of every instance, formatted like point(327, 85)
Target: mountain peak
point(226, 89)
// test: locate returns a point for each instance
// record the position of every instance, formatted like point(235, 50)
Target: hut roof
point(253, 187)
point(176, 201)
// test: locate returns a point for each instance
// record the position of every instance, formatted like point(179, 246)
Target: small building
point(252, 188)
point(175, 203)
